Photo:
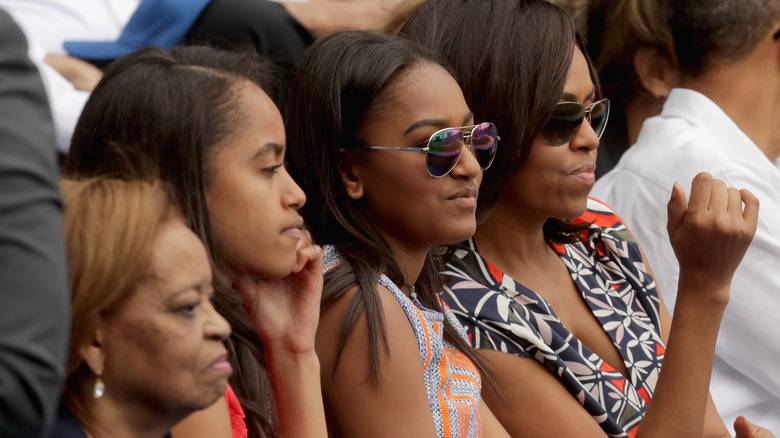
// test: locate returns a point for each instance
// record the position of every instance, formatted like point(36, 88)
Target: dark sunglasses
point(444, 147)
point(567, 119)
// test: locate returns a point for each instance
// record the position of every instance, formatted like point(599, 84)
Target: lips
point(585, 173)
point(294, 229)
point(466, 197)
point(221, 365)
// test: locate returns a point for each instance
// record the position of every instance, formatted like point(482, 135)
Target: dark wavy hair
point(341, 83)
point(160, 114)
point(511, 58)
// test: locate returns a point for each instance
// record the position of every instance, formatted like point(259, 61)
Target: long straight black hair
point(160, 114)
point(511, 58)
point(340, 84)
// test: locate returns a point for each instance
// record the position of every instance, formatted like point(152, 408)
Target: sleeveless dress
point(452, 380)
point(607, 267)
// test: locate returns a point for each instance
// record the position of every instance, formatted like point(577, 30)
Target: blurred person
point(34, 312)
point(723, 120)
point(280, 31)
point(146, 344)
point(631, 45)
point(224, 158)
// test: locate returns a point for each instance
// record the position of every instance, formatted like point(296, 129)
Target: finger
point(734, 202)
point(305, 239)
point(307, 256)
point(303, 243)
point(675, 209)
point(701, 188)
point(744, 428)
point(719, 196)
point(750, 214)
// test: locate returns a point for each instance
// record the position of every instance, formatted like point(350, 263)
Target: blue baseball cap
point(160, 23)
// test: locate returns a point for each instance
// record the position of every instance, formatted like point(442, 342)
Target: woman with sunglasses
point(553, 289)
point(203, 121)
point(391, 169)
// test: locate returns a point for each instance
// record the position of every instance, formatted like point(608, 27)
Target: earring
point(99, 389)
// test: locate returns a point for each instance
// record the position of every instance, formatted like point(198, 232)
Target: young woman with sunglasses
point(553, 289)
point(203, 121)
point(391, 168)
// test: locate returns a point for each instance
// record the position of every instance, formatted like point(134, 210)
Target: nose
point(585, 138)
point(468, 166)
point(216, 327)
point(292, 194)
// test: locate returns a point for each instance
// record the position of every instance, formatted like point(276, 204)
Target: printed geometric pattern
point(606, 265)
point(452, 381)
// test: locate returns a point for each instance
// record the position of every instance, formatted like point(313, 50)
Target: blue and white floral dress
point(607, 267)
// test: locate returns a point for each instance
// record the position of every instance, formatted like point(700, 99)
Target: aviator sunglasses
point(567, 118)
point(444, 147)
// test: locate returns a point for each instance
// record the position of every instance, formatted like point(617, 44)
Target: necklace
point(412, 292)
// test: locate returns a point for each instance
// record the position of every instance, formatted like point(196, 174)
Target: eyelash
point(189, 310)
point(274, 169)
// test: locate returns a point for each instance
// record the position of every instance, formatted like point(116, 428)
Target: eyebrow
point(436, 123)
point(267, 148)
point(570, 97)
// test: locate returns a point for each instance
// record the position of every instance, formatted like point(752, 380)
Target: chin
point(278, 270)
point(575, 209)
point(459, 235)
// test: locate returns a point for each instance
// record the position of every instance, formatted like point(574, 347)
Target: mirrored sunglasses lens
point(484, 140)
point(444, 148)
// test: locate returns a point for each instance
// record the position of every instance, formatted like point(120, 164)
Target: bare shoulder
point(357, 406)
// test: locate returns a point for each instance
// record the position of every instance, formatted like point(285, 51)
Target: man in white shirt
point(721, 120)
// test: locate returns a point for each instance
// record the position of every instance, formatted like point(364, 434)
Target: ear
point(94, 353)
point(657, 70)
point(349, 167)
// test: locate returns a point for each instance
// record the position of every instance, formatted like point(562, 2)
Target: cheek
point(155, 343)
point(399, 188)
point(244, 213)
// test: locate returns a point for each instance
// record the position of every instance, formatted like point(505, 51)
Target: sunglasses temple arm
point(388, 148)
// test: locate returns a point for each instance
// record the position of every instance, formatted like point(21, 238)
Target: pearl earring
point(99, 389)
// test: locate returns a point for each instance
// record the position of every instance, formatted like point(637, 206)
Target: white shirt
point(47, 24)
point(691, 135)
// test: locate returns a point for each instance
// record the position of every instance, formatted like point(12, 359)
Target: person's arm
point(713, 424)
point(285, 313)
point(744, 346)
point(65, 101)
point(398, 405)
point(34, 298)
point(83, 75)
point(327, 16)
point(491, 427)
point(536, 403)
point(709, 238)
